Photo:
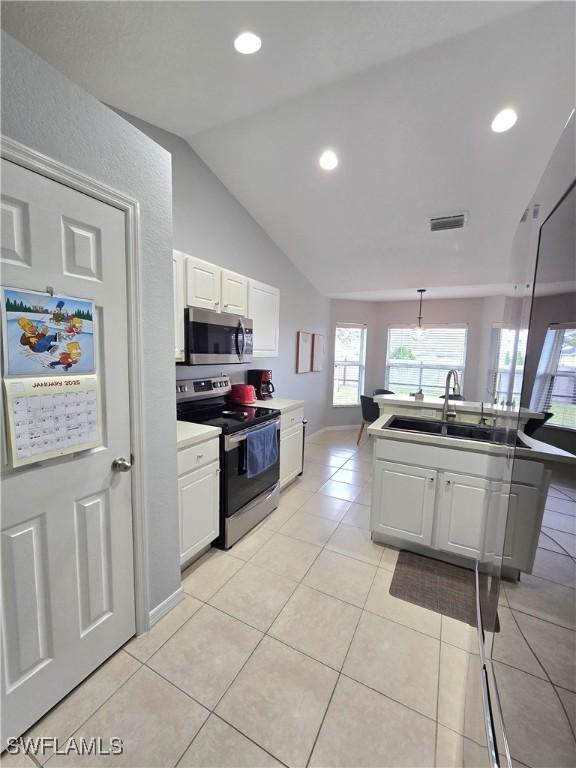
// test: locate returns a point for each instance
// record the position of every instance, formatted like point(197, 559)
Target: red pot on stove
point(242, 394)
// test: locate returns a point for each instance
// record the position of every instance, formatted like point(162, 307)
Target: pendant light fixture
point(418, 330)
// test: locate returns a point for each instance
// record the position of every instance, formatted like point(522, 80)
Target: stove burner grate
point(240, 415)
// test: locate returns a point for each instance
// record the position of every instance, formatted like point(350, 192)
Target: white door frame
point(35, 161)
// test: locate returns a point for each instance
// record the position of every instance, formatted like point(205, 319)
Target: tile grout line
point(265, 634)
point(549, 679)
point(554, 551)
point(341, 668)
point(537, 616)
point(438, 691)
point(558, 530)
point(299, 582)
point(141, 664)
point(99, 707)
point(564, 550)
point(570, 514)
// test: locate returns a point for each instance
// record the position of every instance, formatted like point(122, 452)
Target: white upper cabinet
point(264, 310)
point(178, 277)
point(234, 293)
point(199, 283)
point(203, 281)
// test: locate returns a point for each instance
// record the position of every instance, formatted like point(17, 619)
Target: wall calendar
point(50, 379)
point(51, 416)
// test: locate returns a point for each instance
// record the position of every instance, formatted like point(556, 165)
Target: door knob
point(121, 464)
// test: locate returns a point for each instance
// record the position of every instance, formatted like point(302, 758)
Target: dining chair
point(370, 412)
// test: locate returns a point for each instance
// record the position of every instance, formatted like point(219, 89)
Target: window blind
point(555, 384)
point(349, 360)
point(421, 359)
point(506, 369)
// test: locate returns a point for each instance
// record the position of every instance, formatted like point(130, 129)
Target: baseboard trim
point(331, 429)
point(315, 434)
point(166, 606)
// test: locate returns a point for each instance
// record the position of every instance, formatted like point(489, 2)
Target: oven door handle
point(231, 441)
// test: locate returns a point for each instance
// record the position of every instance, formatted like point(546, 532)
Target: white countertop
point(188, 434)
point(280, 405)
point(460, 405)
point(535, 450)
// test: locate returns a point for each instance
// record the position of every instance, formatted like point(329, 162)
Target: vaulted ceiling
point(403, 91)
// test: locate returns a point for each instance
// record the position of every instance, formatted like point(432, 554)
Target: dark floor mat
point(438, 586)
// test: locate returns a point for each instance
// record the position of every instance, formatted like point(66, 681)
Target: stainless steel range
point(244, 500)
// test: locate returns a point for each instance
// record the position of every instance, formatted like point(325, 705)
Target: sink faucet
point(446, 412)
point(482, 422)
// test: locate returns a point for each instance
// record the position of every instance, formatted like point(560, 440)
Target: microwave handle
point(236, 341)
point(241, 354)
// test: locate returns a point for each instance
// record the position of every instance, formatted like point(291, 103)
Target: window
point(555, 384)
point(422, 358)
point(506, 370)
point(349, 359)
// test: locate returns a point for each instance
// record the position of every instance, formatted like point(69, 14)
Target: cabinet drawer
point(197, 456)
point(291, 418)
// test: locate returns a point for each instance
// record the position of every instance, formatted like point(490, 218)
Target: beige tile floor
point(289, 650)
point(535, 652)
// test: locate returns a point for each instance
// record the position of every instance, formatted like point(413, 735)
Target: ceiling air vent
point(447, 222)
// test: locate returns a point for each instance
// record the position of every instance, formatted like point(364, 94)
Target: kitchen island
point(460, 499)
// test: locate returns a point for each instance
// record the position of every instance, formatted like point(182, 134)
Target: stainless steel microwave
point(214, 338)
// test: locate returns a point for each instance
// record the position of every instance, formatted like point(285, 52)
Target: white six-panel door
point(67, 559)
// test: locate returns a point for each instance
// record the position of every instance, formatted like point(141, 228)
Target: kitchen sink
point(431, 426)
point(478, 432)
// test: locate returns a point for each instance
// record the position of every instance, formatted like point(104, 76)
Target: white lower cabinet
point(291, 453)
point(463, 503)
point(198, 502)
point(525, 511)
point(403, 501)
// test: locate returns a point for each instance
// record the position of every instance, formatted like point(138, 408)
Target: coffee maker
point(261, 380)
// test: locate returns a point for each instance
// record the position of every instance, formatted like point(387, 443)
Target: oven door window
point(239, 489)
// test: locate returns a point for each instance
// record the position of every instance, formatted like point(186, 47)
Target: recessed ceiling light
point(248, 42)
point(504, 120)
point(328, 160)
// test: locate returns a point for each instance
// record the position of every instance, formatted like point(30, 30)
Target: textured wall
point(210, 223)
point(47, 112)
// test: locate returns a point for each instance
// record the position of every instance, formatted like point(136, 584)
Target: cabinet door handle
point(448, 482)
point(431, 479)
point(199, 456)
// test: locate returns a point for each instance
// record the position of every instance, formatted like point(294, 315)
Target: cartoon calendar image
point(51, 416)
